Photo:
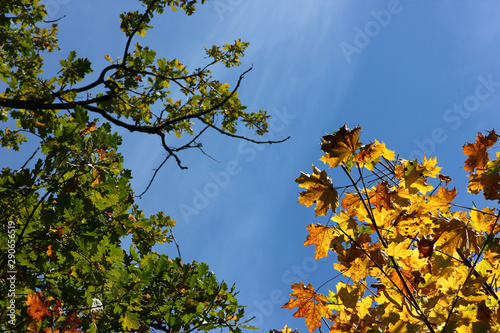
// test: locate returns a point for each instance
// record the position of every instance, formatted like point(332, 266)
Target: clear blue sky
point(422, 76)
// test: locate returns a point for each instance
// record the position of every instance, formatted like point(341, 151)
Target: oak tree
point(66, 210)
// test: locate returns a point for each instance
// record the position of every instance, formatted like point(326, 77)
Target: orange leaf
point(312, 306)
point(381, 196)
point(321, 236)
point(319, 190)
point(340, 146)
point(476, 152)
point(37, 308)
point(488, 183)
point(49, 251)
point(71, 323)
point(89, 128)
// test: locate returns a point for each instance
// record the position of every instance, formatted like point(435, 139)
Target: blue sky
point(422, 76)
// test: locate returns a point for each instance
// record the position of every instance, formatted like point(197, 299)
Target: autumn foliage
point(413, 261)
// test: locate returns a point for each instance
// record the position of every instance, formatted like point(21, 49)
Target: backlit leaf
point(341, 146)
point(319, 190)
point(477, 152)
point(321, 236)
point(37, 308)
point(311, 306)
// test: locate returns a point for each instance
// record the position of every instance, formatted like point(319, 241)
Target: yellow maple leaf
point(400, 249)
point(346, 223)
point(372, 153)
point(441, 200)
point(311, 306)
point(341, 146)
point(413, 176)
point(319, 190)
point(484, 220)
point(321, 236)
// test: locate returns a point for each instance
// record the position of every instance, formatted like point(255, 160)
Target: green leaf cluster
point(67, 211)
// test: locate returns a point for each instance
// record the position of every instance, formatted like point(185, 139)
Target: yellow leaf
point(372, 153)
point(321, 236)
point(413, 176)
point(108, 58)
point(319, 190)
point(400, 250)
point(340, 146)
point(346, 223)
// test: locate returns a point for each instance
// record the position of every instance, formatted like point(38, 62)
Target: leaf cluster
point(413, 261)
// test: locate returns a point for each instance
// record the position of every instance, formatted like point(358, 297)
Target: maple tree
point(66, 210)
point(412, 259)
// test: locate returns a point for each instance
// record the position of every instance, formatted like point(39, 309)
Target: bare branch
point(239, 136)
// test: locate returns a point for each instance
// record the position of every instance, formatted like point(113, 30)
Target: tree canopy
point(66, 210)
point(413, 260)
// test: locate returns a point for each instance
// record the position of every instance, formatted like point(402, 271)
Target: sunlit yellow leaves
point(285, 329)
point(412, 262)
point(311, 306)
point(417, 247)
point(319, 190)
point(476, 152)
point(372, 153)
point(346, 297)
point(413, 175)
point(346, 223)
point(441, 200)
point(341, 146)
point(321, 236)
point(400, 250)
point(358, 269)
point(484, 220)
